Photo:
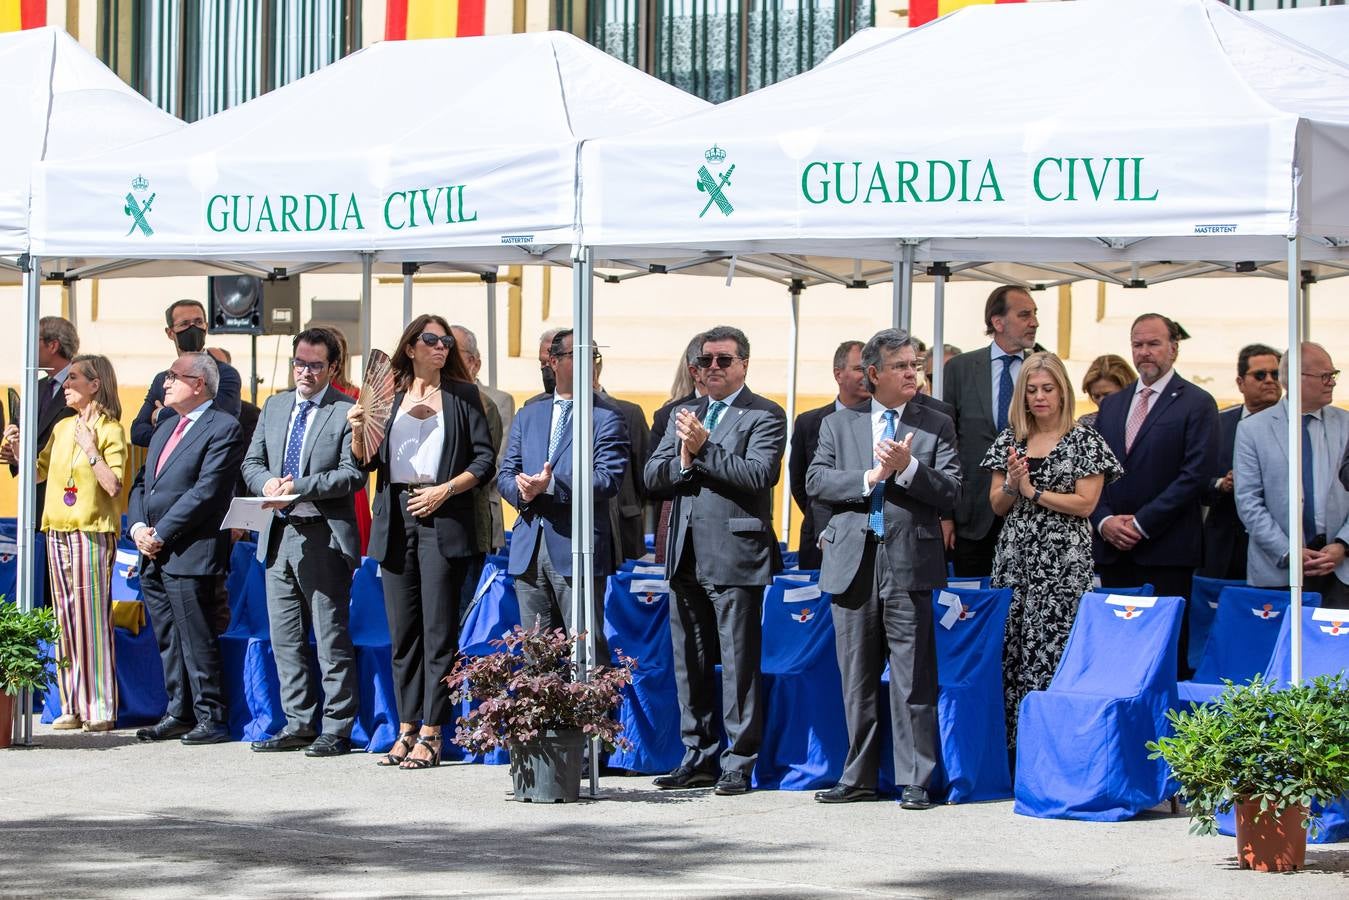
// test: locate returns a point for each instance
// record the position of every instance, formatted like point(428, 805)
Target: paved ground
point(101, 815)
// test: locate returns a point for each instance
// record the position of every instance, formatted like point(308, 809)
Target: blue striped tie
point(876, 521)
point(563, 423)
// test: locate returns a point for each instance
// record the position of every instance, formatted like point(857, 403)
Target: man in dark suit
point(177, 504)
point(1164, 429)
point(721, 458)
point(1225, 538)
point(627, 511)
point(536, 478)
point(979, 385)
point(311, 548)
point(186, 321)
point(851, 380)
point(887, 471)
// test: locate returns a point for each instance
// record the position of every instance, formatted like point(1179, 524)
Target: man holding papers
point(310, 546)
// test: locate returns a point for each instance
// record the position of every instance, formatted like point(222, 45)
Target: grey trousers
point(545, 596)
point(309, 583)
point(872, 620)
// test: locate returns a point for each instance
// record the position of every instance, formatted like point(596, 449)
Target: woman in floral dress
point(1048, 474)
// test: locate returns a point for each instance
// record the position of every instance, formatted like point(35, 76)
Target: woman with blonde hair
point(1048, 474)
point(1106, 375)
point(83, 464)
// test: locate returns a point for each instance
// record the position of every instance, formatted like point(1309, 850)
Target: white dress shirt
point(415, 447)
point(904, 478)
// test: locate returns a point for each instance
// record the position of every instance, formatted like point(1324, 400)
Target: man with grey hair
point(467, 342)
point(545, 368)
point(177, 504)
point(1260, 480)
point(888, 471)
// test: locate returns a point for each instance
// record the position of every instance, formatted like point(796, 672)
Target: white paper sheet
point(246, 513)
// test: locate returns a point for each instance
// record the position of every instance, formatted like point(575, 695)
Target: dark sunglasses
point(430, 340)
point(723, 361)
point(1262, 374)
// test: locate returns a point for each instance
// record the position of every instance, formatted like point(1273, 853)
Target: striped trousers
point(80, 565)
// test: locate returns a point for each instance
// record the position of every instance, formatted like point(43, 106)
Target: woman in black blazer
point(436, 450)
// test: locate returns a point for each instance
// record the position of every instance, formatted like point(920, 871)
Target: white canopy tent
point(1157, 130)
point(1323, 28)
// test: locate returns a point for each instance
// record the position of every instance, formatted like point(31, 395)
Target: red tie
point(183, 422)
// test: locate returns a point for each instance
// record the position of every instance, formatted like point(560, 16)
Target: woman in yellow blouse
point(83, 465)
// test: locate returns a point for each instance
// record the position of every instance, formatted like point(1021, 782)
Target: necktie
point(714, 411)
point(183, 422)
point(560, 429)
point(1136, 417)
point(876, 521)
point(290, 465)
point(1308, 482)
point(48, 397)
point(1004, 392)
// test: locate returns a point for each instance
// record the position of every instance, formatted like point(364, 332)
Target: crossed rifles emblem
point(713, 188)
point(136, 211)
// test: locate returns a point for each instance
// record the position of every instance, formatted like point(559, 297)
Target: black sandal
point(433, 743)
point(406, 740)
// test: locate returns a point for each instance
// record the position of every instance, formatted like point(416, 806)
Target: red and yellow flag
point(407, 19)
point(923, 11)
point(16, 15)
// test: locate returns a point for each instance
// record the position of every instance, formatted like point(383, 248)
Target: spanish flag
point(16, 15)
point(407, 19)
point(923, 11)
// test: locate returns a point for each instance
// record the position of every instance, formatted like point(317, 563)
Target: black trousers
point(180, 608)
point(973, 558)
point(421, 599)
point(1166, 581)
point(545, 597)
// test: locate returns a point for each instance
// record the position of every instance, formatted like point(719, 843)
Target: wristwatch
point(93, 460)
point(1036, 498)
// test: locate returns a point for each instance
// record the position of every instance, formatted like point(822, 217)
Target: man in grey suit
point(467, 342)
point(720, 458)
point(888, 471)
point(302, 446)
point(1260, 478)
point(979, 385)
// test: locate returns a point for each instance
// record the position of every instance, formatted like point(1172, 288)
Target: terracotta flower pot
point(6, 719)
point(1271, 843)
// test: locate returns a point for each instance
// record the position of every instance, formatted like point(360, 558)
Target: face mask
point(549, 380)
point(191, 340)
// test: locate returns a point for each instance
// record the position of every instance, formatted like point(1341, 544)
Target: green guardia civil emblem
point(137, 210)
point(715, 187)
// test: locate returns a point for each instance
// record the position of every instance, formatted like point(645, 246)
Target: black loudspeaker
point(246, 304)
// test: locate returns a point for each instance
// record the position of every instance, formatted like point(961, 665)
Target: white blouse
point(415, 446)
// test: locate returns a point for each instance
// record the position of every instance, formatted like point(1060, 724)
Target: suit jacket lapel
point(277, 427)
point(862, 436)
point(196, 433)
point(1278, 426)
point(983, 383)
point(388, 429)
point(317, 419)
point(564, 441)
point(731, 416)
point(1160, 404)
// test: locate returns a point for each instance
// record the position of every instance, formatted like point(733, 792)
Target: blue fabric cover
point(376, 726)
point(1143, 590)
point(247, 666)
point(1202, 608)
point(973, 761)
point(1081, 744)
point(494, 612)
point(637, 622)
point(805, 740)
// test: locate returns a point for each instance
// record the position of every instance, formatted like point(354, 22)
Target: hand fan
point(14, 406)
point(377, 390)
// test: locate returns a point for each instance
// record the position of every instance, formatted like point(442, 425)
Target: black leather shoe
point(166, 728)
point(207, 734)
point(684, 777)
point(915, 797)
point(282, 742)
point(845, 793)
point(328, 745)
point(732, 783)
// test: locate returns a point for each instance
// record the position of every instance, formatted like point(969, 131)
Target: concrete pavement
point(104, 816)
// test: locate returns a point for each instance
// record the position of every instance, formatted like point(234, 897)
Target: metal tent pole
point(367, 273)
point(902, 290)
point(26, 536)
point(491, 279)
point(1296, 539)
point(409, 269)
point(583, 477)
point(940, 271)
point(794, 338)
point(1306, 298)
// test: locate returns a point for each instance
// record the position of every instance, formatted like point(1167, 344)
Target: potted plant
point(530, 701)
point(26, 639)
point(1270, 751)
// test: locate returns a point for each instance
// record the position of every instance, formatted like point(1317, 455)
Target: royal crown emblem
point(140, 184)
point(715, 155)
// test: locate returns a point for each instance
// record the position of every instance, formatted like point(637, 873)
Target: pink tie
point(1136, 417)
point(183, 422)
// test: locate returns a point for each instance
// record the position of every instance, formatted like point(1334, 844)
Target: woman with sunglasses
point(436, 449)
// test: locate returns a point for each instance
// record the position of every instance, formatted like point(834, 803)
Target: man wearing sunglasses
point(311, 546)
point(1261, 461)
point(1224, 535)
point(721, 458)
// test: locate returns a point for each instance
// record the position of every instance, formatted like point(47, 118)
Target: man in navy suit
point(1164, 429)
point(177, 504)
point(1225, 538)
point(186, 326)
point(536, 478)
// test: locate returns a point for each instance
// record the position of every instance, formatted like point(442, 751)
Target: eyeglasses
point(1327, 378)
point(313, 368)
point(903, 366)
point(430, 340)
point(723, 361)
point(1262, 374)
point(171, 376)
point(562, 354)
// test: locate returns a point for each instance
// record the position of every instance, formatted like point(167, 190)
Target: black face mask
point(549, 379)
point(191, 339)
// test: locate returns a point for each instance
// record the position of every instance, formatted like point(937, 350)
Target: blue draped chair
point(494, 612)
point(1081, 744)
point(248, 668)
point(637, 622)
point(805, 738)
point(376, 726)
point(1203, 606)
